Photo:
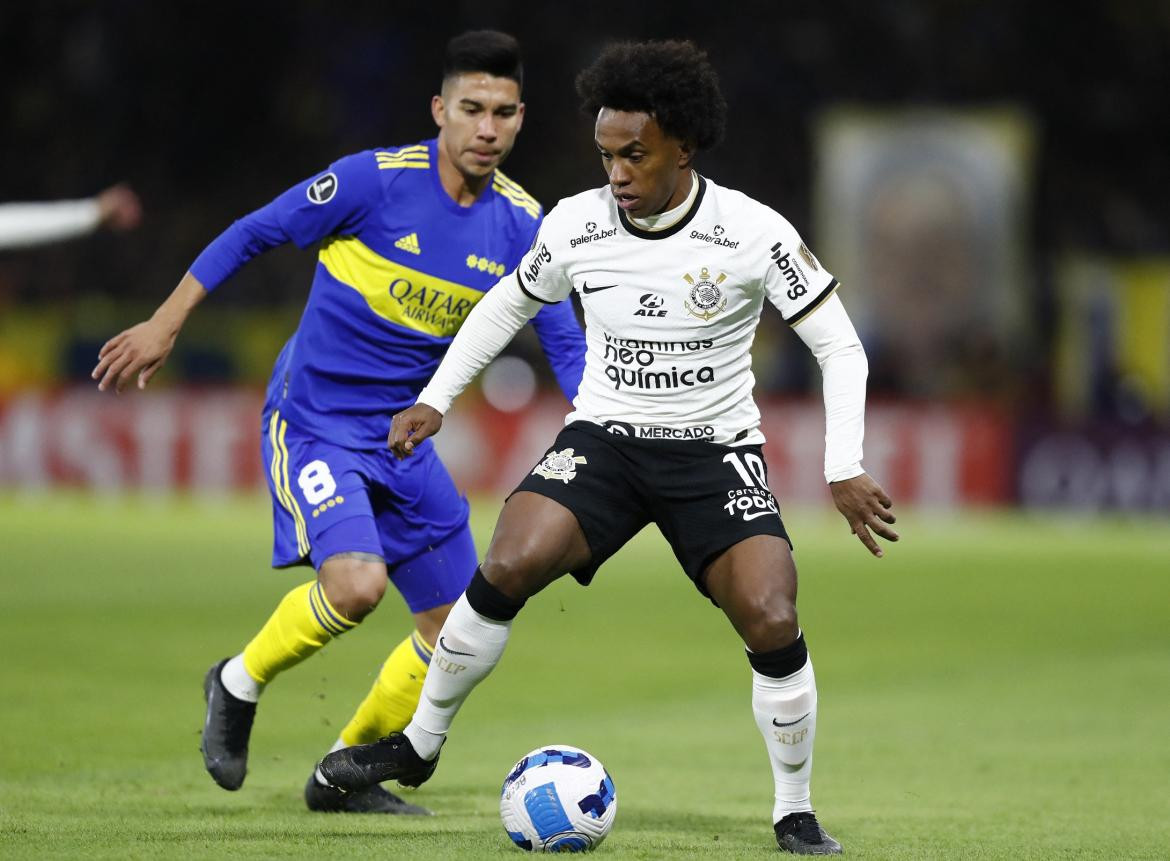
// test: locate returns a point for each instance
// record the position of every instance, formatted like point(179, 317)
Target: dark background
point(210, 110)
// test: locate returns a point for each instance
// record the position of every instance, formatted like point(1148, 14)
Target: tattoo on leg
point(355, 554)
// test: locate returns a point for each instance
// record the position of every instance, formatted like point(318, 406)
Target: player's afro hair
point(488, 51)
point(672, 81)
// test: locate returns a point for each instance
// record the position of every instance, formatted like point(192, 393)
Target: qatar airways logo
point(429, 305)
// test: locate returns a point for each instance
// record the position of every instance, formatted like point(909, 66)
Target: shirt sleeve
point(794, 279)
point(830, 336)
point(542, 273)
point(25, 225)
point(336, 201)
point(559, 334)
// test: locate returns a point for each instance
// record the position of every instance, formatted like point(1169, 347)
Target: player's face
point(646, 168)
point(479, 116)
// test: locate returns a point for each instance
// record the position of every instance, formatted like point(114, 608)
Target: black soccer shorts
point(704, 497)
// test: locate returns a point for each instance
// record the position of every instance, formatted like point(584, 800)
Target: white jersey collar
point(663, 220)
point(667, 223)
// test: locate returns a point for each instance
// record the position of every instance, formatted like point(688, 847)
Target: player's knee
point(513, 571)
point(771, 624)
point(354, 587)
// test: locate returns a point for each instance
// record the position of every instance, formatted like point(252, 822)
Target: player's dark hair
point(672, 81)
point(488, 51)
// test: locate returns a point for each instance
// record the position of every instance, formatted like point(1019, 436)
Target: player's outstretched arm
point(865, 506)
point(141, 350)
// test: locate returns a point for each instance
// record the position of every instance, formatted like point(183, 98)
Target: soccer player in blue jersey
point(410, 238)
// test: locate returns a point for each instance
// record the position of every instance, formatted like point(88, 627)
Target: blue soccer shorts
point(328, 500)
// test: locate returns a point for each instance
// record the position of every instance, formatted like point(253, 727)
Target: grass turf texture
point(997, 687)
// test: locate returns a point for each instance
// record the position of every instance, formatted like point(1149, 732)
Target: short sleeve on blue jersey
point(335, 201)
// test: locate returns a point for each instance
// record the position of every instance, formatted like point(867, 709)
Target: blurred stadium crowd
point(988, 179)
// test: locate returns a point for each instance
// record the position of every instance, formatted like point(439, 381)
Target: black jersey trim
point(524, 290)
point(634, 230)
point(814, 304)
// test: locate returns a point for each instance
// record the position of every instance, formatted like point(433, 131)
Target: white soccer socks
point(785, 707)
point(469, 646)
point(237, 681)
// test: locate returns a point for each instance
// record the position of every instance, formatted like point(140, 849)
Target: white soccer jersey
point(670, 315)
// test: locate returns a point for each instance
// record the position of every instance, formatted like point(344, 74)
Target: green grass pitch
point(997, 687)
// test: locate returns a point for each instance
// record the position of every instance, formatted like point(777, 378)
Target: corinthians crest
point(706, 298)
point(559, 465)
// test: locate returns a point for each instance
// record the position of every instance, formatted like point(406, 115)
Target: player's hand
point(140, 350)
point(412, 426)
point(866, 507)
point(119, 208)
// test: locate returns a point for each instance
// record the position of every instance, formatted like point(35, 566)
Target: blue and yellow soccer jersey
point(400, 267)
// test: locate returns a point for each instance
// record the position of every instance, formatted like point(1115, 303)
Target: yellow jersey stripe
point(406, 157)
point(516, 195)
point(404, 296)
point(528, 204)
point(500, 179)
point(507, 180)
point(275, 469)
point(398, 165)
point(513, 193)
point(418, 148)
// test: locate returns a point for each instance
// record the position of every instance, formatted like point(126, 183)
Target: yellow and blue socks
point(393, 698)
point(302, 623)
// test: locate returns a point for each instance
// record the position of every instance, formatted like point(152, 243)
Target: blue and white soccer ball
point(558, 799)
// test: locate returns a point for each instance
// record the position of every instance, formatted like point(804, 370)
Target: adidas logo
point(409, 243)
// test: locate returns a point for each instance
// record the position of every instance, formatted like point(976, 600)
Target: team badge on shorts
point(559, 465)
point(706, 299)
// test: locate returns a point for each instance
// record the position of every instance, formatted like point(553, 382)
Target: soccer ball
point(558, 799)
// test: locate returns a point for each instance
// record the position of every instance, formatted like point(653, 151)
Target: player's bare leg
point(755, 583)
point(536, 541)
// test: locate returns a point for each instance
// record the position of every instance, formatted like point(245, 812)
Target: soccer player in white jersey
point(27, 225)
point(672, 271)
